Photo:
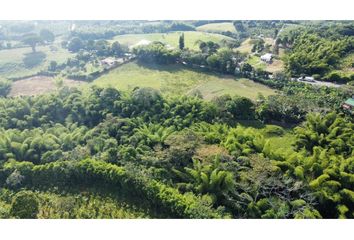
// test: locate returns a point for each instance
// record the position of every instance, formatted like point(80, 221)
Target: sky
point(176, 9)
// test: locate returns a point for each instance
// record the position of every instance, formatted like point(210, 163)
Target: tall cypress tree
point(181, 41)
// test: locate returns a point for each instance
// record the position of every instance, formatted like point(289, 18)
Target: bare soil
point(33, 86)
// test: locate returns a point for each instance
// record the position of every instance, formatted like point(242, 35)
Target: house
point(349, 105)
point(109, 62)
point(267, 57)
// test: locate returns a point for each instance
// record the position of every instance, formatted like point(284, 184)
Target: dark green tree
point(32, 40)
point(181, 41)
point(25, 205)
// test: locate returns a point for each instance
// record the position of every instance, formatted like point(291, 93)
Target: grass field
point(275, 66)
point(172, 38)
point(176, 79)
point(39, 85)
point(13, 61)
point(246, 46)
point(217, 27)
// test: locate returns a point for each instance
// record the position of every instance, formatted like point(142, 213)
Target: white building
point(267, 57)
point(109, 62)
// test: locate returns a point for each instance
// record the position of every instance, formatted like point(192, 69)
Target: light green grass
point(283, 143)
point(241, 87)
point(12, 66)
point(217, 27)
point(172, 38)
point(246, 46)
point(257, 63)
point(177, 80)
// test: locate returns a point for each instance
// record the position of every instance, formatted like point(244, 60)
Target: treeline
point(91, 172)
point(316, 56)
point(317, 49)
point(300, 98)
point(87, 31)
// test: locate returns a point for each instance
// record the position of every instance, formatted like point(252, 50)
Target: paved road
point(321, 83)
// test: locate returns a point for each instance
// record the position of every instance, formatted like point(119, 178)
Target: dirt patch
point(276, 66)
point(38, 85)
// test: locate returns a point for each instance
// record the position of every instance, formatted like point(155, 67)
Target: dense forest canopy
point(103, 152)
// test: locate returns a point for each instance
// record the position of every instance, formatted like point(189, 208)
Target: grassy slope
point(12, 66)
point(217, 27)
point(175, 79)
point(246, 46)
point(171, 38)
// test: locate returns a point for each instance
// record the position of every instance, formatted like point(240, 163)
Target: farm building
point(267, 57)
point(349, 105)
point(109, 62)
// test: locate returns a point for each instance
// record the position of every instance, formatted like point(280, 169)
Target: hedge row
point(93, 172)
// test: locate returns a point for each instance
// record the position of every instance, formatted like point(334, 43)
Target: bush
point(92, 172)
point(273, 130)
point(33, 59)
point(5, 87)
point(25, 205)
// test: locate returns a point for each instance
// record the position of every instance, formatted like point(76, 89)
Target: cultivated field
point(217, 27)
point(190, 38)
point(38, 85)
point(176, 79)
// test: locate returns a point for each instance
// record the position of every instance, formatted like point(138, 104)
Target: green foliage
point(33, 59)
point(32, 40)
point(5, 87)
point(94, 172)
point(47, 35)
point(25, 205)
point(156, 52)
point(312, 54)
point(330, 131)
point(75, 44)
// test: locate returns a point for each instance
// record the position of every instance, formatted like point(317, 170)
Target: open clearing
point(13, 61)
point(246, 46)
point(242, 87)
point(217, 27)
point(38, 85)
point(172, 38)
point(176, 79)
point(276, 66)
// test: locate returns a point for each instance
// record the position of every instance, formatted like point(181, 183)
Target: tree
point(53, 66)
point(5, 86)
point(25, 205)
point(75, 45)
point(117, 49)
point(181, 41)
point(47, 35)
point(15, 179)
point(32, 40)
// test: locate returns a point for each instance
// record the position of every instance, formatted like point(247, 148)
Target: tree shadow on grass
point(33, 59)
point(173, 68)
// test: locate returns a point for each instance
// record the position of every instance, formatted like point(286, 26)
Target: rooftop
point(350, 101)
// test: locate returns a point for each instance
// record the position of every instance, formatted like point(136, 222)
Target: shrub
point(25, 205)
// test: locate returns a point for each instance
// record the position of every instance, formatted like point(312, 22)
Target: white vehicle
point(306, 79)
